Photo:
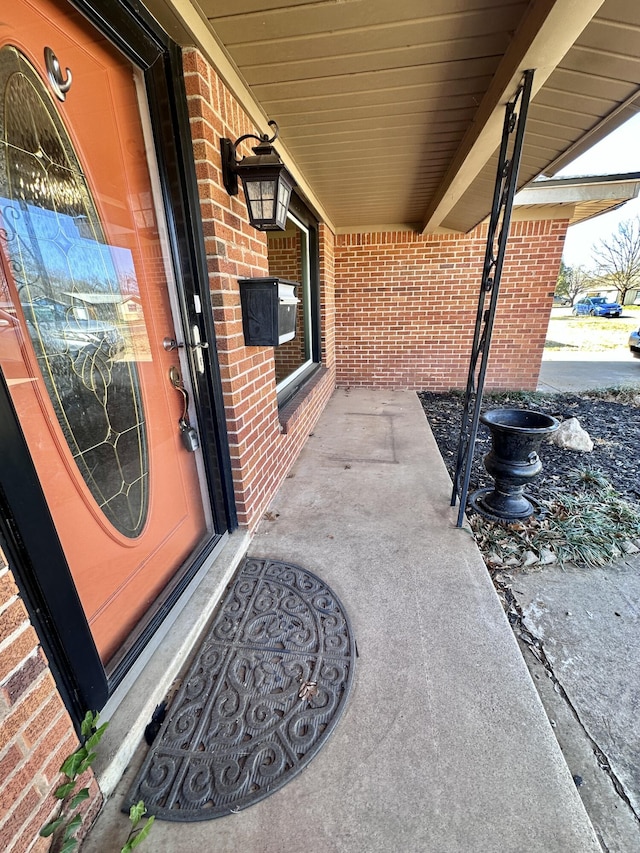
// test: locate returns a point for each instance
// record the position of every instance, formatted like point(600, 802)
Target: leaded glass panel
point(74, 290)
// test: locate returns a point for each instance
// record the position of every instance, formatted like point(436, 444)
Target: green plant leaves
point(64, 790)
point(72, 827)
point(72, 763)
point(65, 826)
point(96, 737)
point(137, 812)
point(83, 757)
point(88, 725)
point(83, 794)
point(139, 837)
point(49, 828)
point(86, 762)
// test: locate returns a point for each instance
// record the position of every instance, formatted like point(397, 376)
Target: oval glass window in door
point(70, 285)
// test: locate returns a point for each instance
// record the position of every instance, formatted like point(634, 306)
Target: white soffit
point(390, 111)
point(580, 198)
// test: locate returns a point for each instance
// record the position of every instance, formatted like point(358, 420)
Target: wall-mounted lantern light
point(267, 183)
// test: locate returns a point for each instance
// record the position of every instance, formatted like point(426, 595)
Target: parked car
point(634, 343)
point(597, 306)
point(561, 300)
point(60, 330)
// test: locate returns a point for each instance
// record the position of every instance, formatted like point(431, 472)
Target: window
point(293, 255)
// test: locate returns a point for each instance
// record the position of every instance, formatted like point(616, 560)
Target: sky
point(619, 152)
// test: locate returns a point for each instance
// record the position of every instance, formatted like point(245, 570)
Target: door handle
point(196, 347)
point(170, 344)
point(188, 434)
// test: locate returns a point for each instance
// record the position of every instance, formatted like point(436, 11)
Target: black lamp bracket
point(263, 138)
point(229, 160)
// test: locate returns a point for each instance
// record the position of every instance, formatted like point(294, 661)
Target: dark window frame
point(300, 210)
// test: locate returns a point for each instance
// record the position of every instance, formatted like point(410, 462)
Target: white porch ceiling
point(391, 110)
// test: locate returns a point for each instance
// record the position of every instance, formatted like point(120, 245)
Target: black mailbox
point(269, 307)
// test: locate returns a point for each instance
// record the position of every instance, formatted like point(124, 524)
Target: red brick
point(43, 720)
point(25, 709)
point(401, 316)
point(18, 650)
point(24, 841)
point(12, 618)
point(21, 680)
point(8, 589)
point(12, 825)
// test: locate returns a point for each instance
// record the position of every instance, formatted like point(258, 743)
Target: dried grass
point(591, 526)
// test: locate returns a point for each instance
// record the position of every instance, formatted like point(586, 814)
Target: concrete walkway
point(580, 371)
point(586, 654)
point(445, 746)
point(585, 661)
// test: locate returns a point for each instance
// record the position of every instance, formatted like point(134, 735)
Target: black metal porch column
point(503, 194)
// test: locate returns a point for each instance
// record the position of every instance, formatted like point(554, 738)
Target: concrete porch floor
point(445, 746)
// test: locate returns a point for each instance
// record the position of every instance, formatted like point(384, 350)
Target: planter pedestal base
point(481, 503)
point(512, 462)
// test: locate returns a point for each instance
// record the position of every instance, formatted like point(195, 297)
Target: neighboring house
point(111, 118)
point(125, 307)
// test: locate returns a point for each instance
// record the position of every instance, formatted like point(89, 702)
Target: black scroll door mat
point(261, 697)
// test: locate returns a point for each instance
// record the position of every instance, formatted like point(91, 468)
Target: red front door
point(85, 304)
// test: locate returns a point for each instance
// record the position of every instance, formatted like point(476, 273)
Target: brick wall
point(284, 256)
point(262, 450)
point(326, 240)
point(285, 261)
point(36, 733)
point(406, 307)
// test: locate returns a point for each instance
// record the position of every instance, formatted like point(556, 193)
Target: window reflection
point(78, 297)
point(288, 255)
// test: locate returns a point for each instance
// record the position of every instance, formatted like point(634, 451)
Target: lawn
point(594, 334)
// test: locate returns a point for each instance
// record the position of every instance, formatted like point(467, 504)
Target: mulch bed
point(612, 420)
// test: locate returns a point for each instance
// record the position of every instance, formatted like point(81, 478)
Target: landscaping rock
point(547, 557)
point(571, 436)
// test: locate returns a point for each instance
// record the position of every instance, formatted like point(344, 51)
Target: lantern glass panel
point(284, 195)
point(261, 195)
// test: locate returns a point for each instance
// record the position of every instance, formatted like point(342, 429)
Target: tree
point(572, 281)
point(617, 258)
point(563, 279)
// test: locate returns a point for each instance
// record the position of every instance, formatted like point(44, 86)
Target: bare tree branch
point(617, 258)
point(573, 281)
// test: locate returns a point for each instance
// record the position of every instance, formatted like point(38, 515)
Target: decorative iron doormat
point(263, 694)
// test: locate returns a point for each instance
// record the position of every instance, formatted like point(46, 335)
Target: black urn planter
point(513, 461)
